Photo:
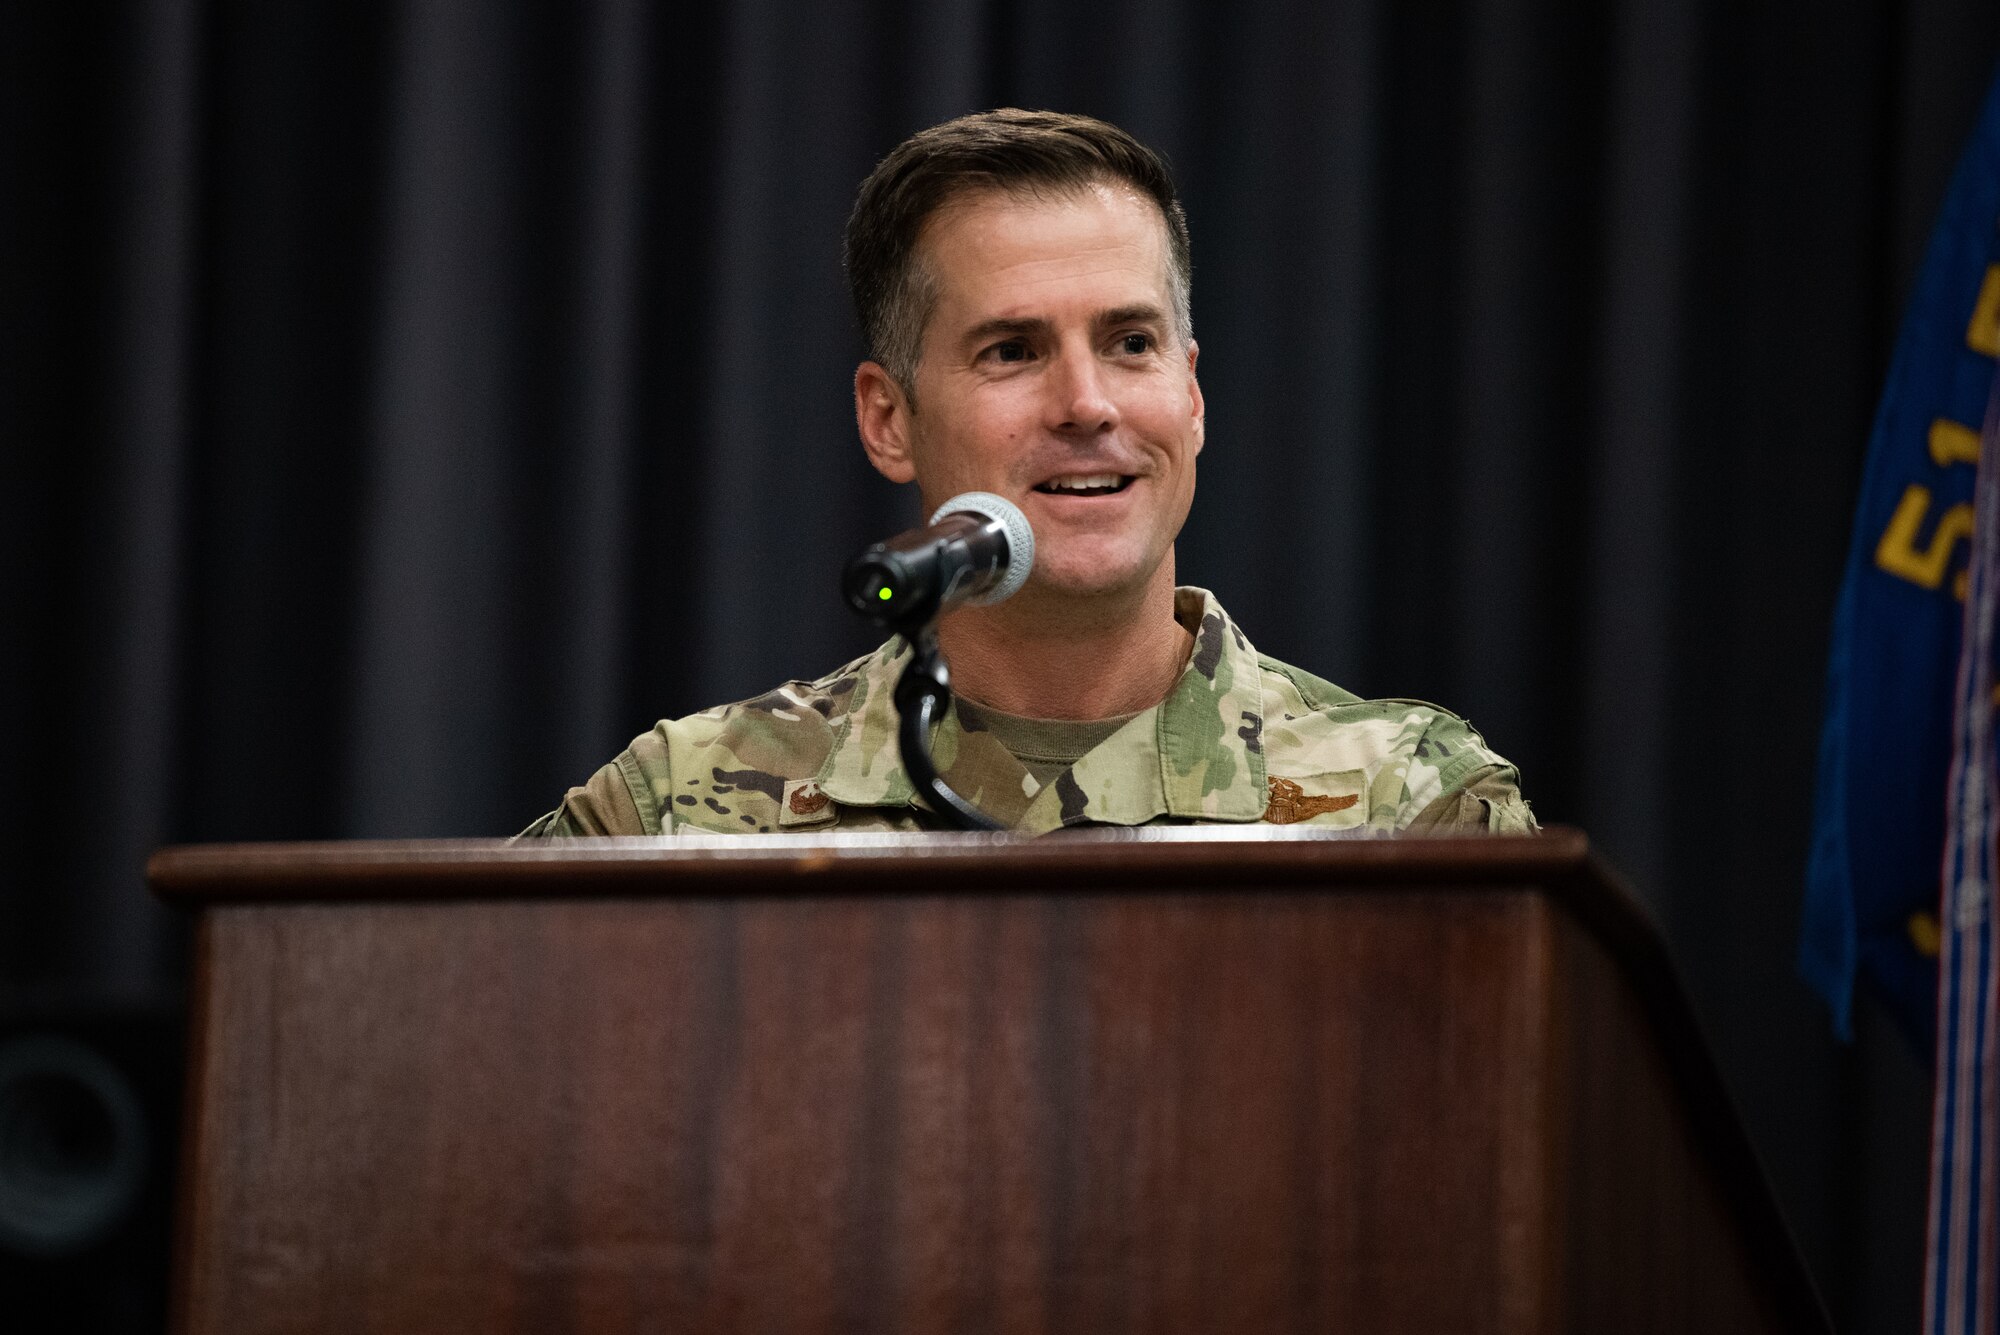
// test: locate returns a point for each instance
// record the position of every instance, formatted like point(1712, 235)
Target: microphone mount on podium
point(977, 550)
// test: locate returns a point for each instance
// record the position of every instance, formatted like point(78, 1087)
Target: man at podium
point(1022, 279)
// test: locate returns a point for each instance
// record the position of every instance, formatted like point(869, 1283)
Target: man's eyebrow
point(1006, 328)
point(1142, 314)
point(1024, 326)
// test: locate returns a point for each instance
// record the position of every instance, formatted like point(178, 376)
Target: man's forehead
point(1020, 233)
point(966, 209)
point(976, 197)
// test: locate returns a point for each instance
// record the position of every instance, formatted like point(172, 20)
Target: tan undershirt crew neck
point(1044, 746)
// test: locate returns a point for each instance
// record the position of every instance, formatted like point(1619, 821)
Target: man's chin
point(1075, 580)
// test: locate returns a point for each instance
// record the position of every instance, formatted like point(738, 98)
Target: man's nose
point(1080, 398)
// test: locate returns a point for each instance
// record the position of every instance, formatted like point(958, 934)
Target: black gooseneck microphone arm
point(923, 694)
point(978, 548)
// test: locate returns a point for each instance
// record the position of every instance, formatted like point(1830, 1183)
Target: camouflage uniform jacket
point(1240, 738)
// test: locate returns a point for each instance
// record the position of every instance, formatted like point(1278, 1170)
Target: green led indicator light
point(884, 595)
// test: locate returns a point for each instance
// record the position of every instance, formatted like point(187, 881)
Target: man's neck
point(1043, 656)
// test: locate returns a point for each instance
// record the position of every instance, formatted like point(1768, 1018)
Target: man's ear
point(882, 413)
point(1196, 405)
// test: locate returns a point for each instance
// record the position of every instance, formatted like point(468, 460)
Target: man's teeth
point(1084, 482)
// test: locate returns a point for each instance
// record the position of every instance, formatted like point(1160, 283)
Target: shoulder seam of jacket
point(641, 791)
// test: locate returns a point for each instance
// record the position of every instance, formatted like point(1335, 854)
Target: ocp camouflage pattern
point(1241, 738)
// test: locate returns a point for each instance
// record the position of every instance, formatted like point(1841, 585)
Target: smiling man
point(1022, 279)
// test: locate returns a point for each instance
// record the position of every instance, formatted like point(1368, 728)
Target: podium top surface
point(885, 863)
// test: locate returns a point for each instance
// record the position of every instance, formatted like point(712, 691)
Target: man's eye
point(1013, 350)
point(1135, 344)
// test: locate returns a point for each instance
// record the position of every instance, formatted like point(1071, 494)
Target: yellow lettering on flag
point(1983, 334)
point(1924, 933)
point(1953, 443)
point(1898, 554)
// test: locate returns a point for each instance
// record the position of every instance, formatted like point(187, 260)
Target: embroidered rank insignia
point(1291, 804)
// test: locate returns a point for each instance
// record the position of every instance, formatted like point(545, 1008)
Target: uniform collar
point(1197, 755)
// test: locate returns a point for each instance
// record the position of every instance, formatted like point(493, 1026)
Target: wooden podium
point(1163, 1080)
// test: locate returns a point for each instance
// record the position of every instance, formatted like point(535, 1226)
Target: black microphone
point(978, 549)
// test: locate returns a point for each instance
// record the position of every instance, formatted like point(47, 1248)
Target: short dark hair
point(1007, 149)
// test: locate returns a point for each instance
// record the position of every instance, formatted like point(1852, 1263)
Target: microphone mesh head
point(1020, 540)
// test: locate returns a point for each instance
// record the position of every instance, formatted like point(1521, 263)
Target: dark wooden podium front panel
point(1246, 1100)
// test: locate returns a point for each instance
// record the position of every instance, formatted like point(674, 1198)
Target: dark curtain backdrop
point(404, 403)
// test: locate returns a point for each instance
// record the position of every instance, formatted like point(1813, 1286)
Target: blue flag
point(1873, 882)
